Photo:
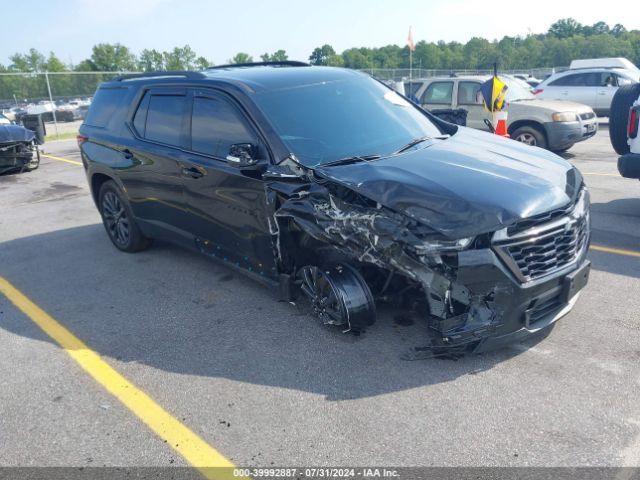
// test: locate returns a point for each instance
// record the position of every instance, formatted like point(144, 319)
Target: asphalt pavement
point(264, 384)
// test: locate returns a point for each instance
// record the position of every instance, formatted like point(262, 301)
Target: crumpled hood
point(15, 133)
point(471, 183)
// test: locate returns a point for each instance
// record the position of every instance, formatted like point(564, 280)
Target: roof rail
point(283, 63)
point(598, 67)
point(168, 73)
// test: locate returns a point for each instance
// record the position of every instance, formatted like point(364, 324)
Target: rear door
point(438, 94)
point(154, 183)
point(576, 87)
point(608, 83)
point(227, 205)
point(467, 98)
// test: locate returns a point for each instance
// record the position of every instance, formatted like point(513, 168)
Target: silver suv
point(553, 125)
point(592, 86)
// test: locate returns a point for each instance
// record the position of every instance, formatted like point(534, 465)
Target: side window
point(105, 104)
point(216, 125)
point(439, 93)
point(575, 80)
point(164, 118)
point(623, 80)
point(468, 93)
point(411, 88)
point(140, 117)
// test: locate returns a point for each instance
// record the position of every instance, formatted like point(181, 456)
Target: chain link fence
point(399, 74)
point(56, 95)
point(61, 98)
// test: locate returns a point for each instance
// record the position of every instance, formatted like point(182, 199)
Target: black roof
point(254, 77)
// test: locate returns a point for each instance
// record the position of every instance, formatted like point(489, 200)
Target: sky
point(218, 30)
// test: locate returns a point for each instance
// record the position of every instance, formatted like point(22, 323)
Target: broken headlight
point(437, 246)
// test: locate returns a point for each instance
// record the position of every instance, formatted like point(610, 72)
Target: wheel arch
point(96, 182)
point(527, 123)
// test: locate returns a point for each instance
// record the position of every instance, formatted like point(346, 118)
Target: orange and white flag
point(410, 44)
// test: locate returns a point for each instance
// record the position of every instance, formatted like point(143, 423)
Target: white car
point(591, 86)
point(623, 129)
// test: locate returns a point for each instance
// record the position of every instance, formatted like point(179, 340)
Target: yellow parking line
point(187, 443)
point(618, 251)
point(53, 157)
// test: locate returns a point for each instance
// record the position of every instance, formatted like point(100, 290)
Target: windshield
point(332, 120)
point(517, 91)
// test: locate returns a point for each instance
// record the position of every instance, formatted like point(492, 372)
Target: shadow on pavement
point(180, 312)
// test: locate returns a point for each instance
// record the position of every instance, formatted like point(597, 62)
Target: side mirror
point(242, 155)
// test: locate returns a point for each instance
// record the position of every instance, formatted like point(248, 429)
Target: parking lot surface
point(264, 384)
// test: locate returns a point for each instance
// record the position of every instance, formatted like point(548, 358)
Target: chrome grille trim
point(548, 246)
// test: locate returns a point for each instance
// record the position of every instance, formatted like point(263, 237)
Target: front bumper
point(562, 135)
point(517, 310)
point(629, 165)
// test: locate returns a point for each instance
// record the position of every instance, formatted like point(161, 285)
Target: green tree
point(241, 57)
point(33, 61)
point(151, 60)
point(325, 55)
point(277, 56)
point(107, 57)
point(565, 28)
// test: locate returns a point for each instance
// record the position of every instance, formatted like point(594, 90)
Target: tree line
point(565, 40)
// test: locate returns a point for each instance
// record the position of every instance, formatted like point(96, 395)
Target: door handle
point(126, 153)
point(193, 172)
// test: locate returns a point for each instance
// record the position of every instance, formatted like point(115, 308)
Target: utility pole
point(55, 120)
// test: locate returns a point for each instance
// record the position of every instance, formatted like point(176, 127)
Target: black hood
point(15, 133)
point(470, 183)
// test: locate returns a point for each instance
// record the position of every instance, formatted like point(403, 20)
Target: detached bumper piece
point(18, 157)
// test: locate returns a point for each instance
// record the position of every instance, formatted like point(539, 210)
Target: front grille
point(587, 116)
point(548, 245)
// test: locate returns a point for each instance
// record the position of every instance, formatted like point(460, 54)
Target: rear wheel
point(530, 136)
point(118, 219)
point(619, 116)
point(338, 295)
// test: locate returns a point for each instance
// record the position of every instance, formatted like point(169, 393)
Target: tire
point(619, 116)
point(118, 219)
point(339, 296)
point(530, 136)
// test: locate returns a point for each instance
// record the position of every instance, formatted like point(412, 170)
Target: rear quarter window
point(105, 103)
point(164, 119)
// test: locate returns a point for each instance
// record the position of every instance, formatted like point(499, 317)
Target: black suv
point(325, 183)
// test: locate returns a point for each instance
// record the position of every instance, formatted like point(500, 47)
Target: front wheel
point(119, 221)
point(530, 136)
point(338, 296)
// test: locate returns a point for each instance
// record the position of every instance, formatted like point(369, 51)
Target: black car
point(325, 183)
point(19, 146)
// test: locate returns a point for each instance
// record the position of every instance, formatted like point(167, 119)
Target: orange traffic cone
point(501, 124)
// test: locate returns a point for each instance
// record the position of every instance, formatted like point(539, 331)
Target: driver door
point(227, 206)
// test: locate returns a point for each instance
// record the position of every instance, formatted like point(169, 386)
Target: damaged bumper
point(507, 311)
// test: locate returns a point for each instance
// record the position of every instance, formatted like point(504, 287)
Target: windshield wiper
point(411, 144)
point(348, 160)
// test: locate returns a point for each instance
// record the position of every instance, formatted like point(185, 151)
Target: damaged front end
point(475, 293)
point(18, 149)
